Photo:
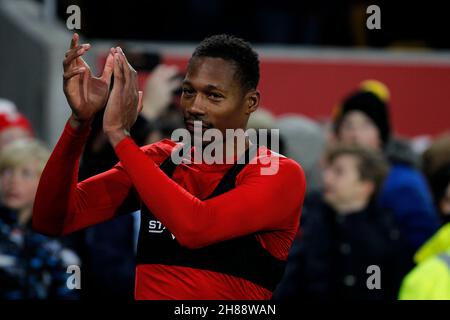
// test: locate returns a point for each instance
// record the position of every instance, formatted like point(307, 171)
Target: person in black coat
point(347, 248)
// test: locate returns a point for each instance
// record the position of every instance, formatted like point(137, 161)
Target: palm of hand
point(87, 94)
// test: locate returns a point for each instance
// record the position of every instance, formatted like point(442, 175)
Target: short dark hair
point(372, 166)
point(237, 51)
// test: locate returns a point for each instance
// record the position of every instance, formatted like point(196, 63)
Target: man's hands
point(85, 93)
point(125, 101)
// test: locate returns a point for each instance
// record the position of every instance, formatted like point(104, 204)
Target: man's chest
point(196, 181)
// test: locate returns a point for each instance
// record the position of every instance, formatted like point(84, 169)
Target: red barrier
point(420, 93)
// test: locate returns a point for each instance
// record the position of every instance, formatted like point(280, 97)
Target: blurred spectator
point(399, 151)
point(430, 280)
point(161, 101)
point(344, 232)
point(160, 87)
point(304, 141)
point(13, 125)
point(436, 166)
point(363, 119)
point(260, 120)
point(32, 266)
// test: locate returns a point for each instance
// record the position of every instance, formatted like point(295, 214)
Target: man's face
point(342, 183)
point(212, 94)
point(357, 128)
point(19, 185)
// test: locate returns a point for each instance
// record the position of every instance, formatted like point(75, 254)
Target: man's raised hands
point(85, 93)
point(125, 100)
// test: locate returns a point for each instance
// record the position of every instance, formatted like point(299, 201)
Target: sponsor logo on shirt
point(155, 226)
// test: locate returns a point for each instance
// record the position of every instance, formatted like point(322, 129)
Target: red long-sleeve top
point(269, 205)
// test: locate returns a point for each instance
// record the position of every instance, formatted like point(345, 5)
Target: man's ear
point(251, 101)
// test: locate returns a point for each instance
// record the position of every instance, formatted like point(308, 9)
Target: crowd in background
point(372, 200)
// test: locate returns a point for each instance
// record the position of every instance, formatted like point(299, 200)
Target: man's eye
point(215, 96)
point(187, 91)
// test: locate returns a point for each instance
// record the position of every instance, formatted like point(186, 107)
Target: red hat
point(10, 117)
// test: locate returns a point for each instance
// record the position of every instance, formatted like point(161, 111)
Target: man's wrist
point(77, 124)
point(116, 136)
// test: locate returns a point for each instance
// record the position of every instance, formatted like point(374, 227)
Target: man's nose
point(196, 108)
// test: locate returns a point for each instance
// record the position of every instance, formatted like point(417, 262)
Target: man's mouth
point(192, 125)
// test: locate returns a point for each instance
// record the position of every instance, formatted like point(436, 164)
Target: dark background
point(341, 23)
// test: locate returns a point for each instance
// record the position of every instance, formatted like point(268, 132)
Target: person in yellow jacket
point(430, 279)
